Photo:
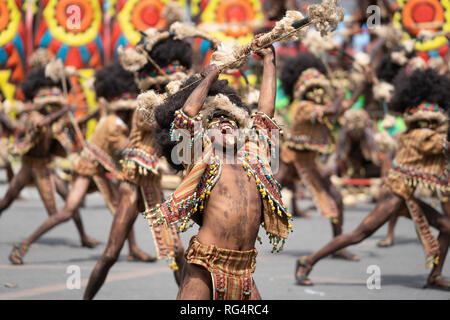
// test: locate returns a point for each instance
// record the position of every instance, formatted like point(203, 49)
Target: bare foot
point(437, 283)
point(17, 253)
point(302, 269)
point(344, 254)
point(386, 242)
point(89, 242)
point(139, 255)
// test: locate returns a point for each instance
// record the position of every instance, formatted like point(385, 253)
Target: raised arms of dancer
point(196, 100)
point(268, 90)
point(49, 119)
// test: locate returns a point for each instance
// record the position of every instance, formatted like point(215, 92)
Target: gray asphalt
point(44, 274)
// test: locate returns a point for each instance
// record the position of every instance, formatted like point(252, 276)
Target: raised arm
point(194, 103)
point(268, 89)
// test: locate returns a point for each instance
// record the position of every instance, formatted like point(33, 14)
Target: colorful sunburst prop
point(134, 16)
point(12, 40)
point(71, 29)
point(232, 20)
point(415, 16)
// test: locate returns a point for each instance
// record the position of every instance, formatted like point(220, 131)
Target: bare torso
point(233, 213)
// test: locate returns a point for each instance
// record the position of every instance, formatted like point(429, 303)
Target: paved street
point(44, 276)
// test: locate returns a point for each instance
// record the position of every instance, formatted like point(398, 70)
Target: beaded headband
point(425, 111)
point(47, 96)
point(169, 69)
point(126, 101)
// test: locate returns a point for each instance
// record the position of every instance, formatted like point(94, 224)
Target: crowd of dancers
point(349, 116)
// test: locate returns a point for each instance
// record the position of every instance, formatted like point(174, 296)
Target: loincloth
point(231, 270)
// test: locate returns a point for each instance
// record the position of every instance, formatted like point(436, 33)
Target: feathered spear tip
point(325, 16)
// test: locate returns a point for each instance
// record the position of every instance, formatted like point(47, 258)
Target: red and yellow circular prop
point(417, 15)
point(10, 17)
point(140, 15)
point(237, 16)
point(73, 22)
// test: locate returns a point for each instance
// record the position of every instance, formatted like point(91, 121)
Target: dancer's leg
point(122, 223)
point(74, 199)
point(19, 181)
point(442, 223)
point(63, 191)
point(388, 205)
point(388, 241)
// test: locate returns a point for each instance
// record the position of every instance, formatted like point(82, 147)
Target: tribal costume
point(230, 270)
point(141, 185)
point(100, 155)
point(422, 160)
point(39, 142)
point(140, 162)
point(309, 135)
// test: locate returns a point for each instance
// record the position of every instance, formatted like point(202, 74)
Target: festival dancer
point(141, 187)
point(356, 151)
point(37, 143)
point(99, 156)
point(229, 196)
point(7, 128)
point(305, 82)
point(421, 159)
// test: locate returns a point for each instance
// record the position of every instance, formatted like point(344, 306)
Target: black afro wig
point(421, 86)
point(113, 81)
point(294, 67)
point(35, 80)
point(388, 69)
point(167, 51)
point(165, 113)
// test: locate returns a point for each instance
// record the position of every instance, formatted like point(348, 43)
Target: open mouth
point(227, 127)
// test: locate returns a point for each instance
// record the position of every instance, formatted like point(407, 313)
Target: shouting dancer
point(229, 196)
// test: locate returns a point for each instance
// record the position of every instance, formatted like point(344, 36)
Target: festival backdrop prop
point(414, 16)
point(230, 20)
point(133, 16)
point(12, 47)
